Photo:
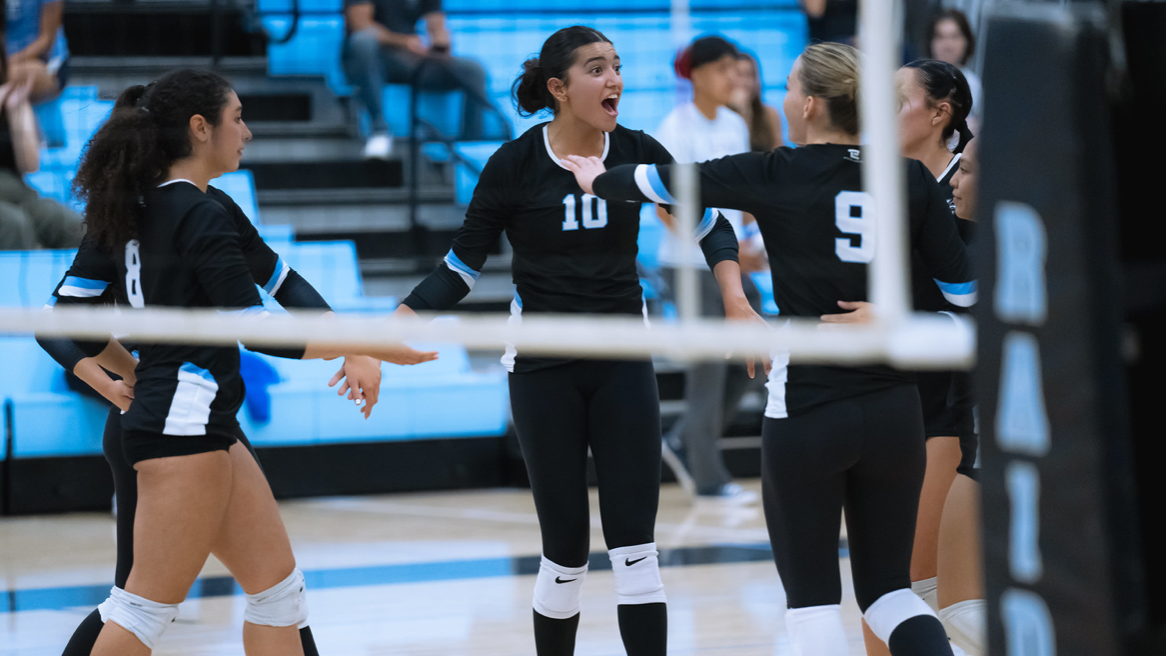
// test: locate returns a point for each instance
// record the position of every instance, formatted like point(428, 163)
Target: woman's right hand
point(401, 354)
point(119, 393)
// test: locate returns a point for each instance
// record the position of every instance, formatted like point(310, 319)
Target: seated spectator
point(34, 42)
point(382, 46)
point(27, 221)
point(831, 20)
point(763, 120)
point(951, 40)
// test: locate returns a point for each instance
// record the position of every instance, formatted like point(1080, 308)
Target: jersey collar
point(551, 153)
point(950, 165)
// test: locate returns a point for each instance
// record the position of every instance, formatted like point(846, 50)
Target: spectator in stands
point(34, 41)
point(383, 46)
point(831, 20)
point(763, 120)
point(698, 131)
point(951, 40)
point(27, 221)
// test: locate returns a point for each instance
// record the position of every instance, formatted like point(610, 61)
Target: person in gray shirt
point(382, 46)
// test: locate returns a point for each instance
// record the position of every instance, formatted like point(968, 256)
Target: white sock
point(816, 631)
point(964, 623)
point(928, 590)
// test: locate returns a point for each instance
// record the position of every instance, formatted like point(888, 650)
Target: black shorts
point(962, 404)
point(939, 420)
point(146, 445)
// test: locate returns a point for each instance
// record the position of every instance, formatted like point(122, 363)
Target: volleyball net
point(896, 336)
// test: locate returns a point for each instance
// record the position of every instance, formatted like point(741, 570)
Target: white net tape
point(920, 341)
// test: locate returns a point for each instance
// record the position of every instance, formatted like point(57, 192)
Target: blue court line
point(61, 598)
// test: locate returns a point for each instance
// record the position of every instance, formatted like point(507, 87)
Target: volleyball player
point(270, 272)
point(576, 253)
point(962, 607)
point(833, 437)
point(144, 177)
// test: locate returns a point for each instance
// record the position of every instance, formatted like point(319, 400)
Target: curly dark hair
point(146, 133)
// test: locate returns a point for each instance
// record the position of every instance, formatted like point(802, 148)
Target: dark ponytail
point(944, 82)
point(147, 131)
point(530, 91)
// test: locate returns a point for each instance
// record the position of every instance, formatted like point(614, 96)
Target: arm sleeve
point(938, 241)
point(89, 281)
point(717, 240)
point(732, 182)
point(462, 265)
point(268, 269)
point(208, 241)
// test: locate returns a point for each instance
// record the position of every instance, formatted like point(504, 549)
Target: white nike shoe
point(378, 146)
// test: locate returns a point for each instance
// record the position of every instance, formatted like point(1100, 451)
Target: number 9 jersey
point(819, 231)
point(573, 252)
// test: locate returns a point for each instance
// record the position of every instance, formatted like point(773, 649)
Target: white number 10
point(596, 219)
point(862, 225)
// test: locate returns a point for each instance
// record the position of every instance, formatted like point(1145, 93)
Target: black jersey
point(927, 295)
point(193, 250)
point(573, 252)
point(815, 220)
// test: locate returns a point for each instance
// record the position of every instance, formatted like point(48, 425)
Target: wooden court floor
point(447, 573)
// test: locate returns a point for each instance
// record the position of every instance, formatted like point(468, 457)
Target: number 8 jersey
point(573, 252)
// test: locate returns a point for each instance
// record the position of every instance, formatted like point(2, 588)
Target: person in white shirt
point(699, 131)
point(950, 39)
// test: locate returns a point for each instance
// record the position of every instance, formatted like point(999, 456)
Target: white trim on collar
point(551, 153)
point(954, 160)
point(170, 182)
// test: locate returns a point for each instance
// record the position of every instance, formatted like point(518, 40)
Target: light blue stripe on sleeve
point(277, 276)
point(82, 287)
point(962, 294)
point(468, 275)
point(658, 185)
point(706, 223)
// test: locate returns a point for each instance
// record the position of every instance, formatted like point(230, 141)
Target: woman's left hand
point(740, 310)
point(586, 169)
point(362, 381)
point(860, 312)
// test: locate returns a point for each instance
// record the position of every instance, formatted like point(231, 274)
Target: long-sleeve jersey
point(573, 252)
point(152, 271)
point(819, 230)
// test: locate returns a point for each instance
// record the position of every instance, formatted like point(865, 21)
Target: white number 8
point(862, 225)
point(134, 275)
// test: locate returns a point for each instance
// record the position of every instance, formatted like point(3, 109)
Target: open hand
point(402, 354)
point(742, 311)
point(586, 169)
point(860, 312)
point(119, 393)
point(361, 376)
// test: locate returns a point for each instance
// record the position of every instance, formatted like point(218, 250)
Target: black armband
point(440, 290)
point(296, 292)
point(68, 352)
point(720, 243)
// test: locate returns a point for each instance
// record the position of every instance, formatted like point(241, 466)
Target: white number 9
point(862, 225)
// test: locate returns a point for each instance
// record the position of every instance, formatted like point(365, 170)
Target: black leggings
point(865, 454)
point(125, 487)
point(613, 407)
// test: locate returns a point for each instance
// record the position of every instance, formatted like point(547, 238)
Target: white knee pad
point(928, 591)
point(283, 604)
point(892, 609)
point(146, 619)
point(558, 590)
point(964, 623)
point(816, 631)
point(637, 574)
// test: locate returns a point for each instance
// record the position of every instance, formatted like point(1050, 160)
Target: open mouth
point(611, 103)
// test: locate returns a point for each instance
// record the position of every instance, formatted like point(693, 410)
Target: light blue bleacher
point(416, 402)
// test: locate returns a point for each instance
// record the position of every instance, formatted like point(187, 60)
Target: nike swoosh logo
point(559, 580)
point(629, 563)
